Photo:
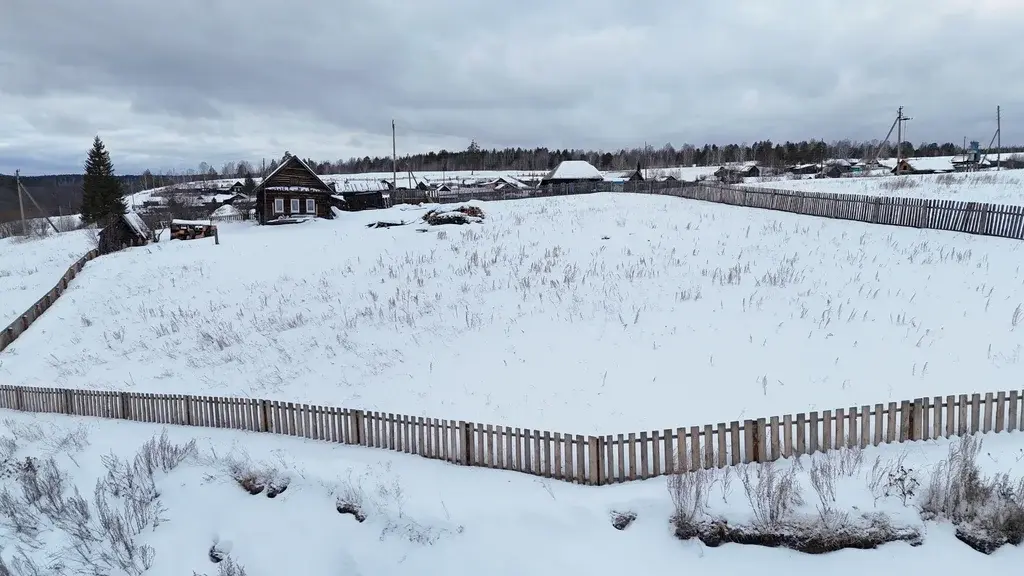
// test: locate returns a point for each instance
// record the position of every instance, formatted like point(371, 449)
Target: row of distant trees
point(63, 193)
point(474, 157)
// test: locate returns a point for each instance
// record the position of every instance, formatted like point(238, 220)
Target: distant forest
point(62, 193)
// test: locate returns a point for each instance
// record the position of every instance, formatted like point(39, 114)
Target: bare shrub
point(988, 512)
point(257, 479)
point(689, 493)
point(773, 496)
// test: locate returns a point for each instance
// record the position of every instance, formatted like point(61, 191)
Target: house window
point(295, 205)
point(278, 205)
point(310, 206)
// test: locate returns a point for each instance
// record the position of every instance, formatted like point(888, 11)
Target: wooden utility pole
point(394, 157)
point(999, 139)
point(21, 203)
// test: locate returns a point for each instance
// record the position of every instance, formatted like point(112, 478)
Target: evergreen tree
point(102, 197)
point(249, 185)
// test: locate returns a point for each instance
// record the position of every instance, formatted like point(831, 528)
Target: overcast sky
point(169, 84)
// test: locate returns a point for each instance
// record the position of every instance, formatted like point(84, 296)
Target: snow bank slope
point(30, 268)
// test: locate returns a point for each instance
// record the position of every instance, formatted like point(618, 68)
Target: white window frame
point(311, 206)
point(278, 205)
point(295, 205)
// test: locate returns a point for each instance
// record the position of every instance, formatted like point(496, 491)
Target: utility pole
point(394, 157)
point(999, 139)
point(21, 203)
point(900, 135)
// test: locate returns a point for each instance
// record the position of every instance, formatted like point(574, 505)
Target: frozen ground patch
point(30, 267)
point(592, 315)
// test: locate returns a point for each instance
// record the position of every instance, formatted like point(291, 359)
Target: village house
point(292, 192)
point(125, 230)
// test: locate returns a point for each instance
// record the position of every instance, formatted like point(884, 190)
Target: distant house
point(126, 230)
point(572, 172)
point(903, 167)
point(292, 191)
point(805, 169)
point(729, 175)
point(236, 188)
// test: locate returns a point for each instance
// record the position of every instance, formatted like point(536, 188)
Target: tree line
point(63, 193)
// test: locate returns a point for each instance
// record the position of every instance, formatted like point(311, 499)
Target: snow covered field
point(29, 268)
point(592, 315)
point(1003, 187)
point(182, 504)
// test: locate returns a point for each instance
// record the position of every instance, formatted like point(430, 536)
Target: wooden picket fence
point(591, 460)
point(1003, 221)
point(21, 323)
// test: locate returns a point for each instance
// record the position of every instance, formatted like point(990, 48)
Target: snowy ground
point(602, 314)
point(426, 517)
point(30, 267)
point(1002, 187)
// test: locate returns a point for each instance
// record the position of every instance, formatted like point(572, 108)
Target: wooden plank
point(631, 454)
point(1013, 414)
point(813, 440)
point(963, 405)
point(774, 441)
point(826, 431)
point(890, 423)
point(1000, 411)
point(801, 435)
point(787, 435)
point(709, 447)
point(989, 405)
point(722, 446)
point(975, 413)
point(695, 452)
point(655, 454)
point(734, 443)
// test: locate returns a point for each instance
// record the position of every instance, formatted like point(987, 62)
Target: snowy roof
point(574, 170)
point(361, 186)
point(137, 225)
point(286, 162)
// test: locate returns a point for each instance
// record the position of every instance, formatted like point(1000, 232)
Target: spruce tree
point(249, 185)
point(102, 198)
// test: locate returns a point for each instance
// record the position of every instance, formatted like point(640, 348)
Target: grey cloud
point(564, 73)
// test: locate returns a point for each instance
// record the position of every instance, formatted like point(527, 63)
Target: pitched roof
point(134, 221)
point(574, 170)
point(317, 182)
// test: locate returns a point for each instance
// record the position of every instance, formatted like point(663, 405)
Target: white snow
point(594, 314)
point(427, 517)
point(996, 187)
point(225, 211)
point(575, 170)
point(29, 268)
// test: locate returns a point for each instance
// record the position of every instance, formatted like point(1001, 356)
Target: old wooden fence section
point(593, 460)
point(21, 323)
point(954, 216)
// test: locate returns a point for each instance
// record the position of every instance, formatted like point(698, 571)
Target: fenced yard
point(601, 459)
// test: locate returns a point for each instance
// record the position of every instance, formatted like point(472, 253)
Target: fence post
point(69, 402)
point(357, 427)
point(749, 441)
point(125, 405)
point(189, 419)
point(265, 415)
point(466, 455)
point(19, 398)
point(596, 464)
